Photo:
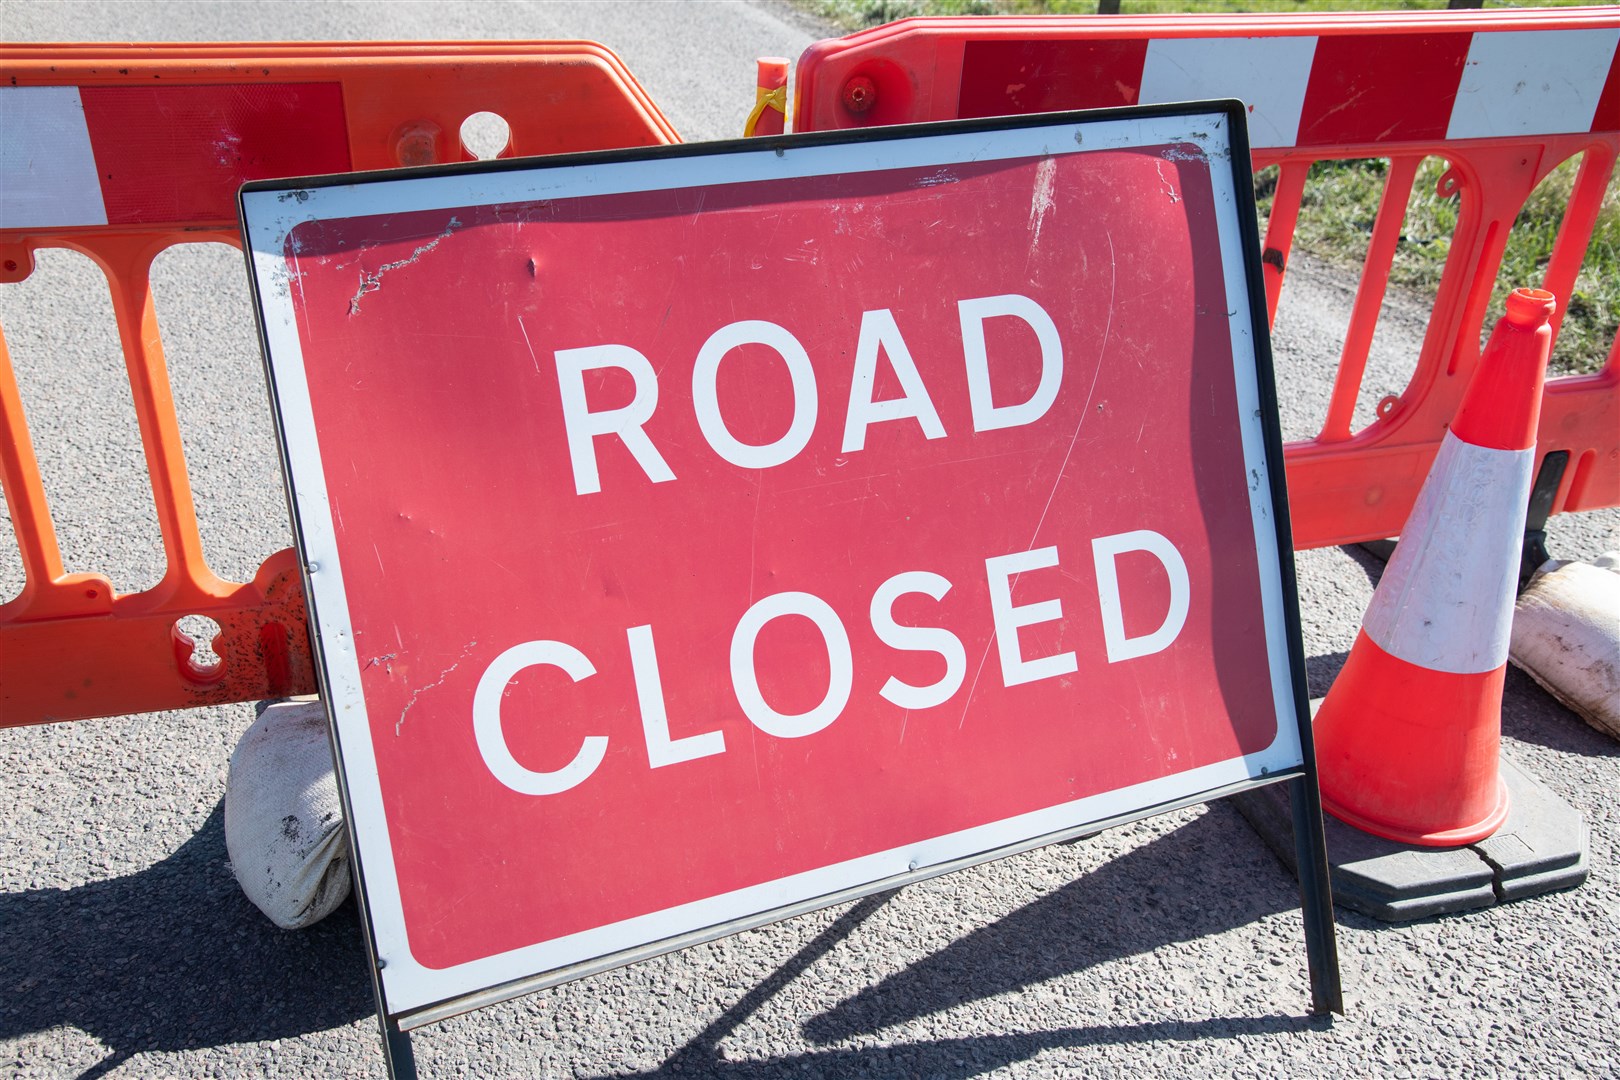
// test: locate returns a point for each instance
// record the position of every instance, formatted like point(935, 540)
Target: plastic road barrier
point(1503, 96)
point(120, 152)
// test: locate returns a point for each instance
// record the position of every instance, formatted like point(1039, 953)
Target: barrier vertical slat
point(1575, 232)
point(1285, 203)
point(1455, 273)
point(1369, 297)
point(24, 490)
point(1490, 209)
point(129, 268)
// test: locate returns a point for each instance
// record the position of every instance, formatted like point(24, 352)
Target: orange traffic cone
point(1407, 740)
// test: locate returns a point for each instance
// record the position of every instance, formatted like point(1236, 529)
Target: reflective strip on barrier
point(211, 138)
point(47, 169)
point(120, 152)
point(1532, 83)
point(1503, 96)
point(1320, 82)
point(1304, 90)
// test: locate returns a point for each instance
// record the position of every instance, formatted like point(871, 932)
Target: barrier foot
point(1378, 549)
point(1540, 848)
point(1550, 475)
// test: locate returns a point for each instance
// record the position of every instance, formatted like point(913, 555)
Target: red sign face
point(704, 546)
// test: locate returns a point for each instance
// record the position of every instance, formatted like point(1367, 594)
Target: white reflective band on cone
point(1445, 600)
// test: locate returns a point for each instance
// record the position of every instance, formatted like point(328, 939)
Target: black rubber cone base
point(1540, 848)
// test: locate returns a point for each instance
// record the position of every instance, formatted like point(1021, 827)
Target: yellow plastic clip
point(765, 99)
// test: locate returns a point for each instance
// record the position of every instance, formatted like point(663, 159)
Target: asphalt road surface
point(1169, 947)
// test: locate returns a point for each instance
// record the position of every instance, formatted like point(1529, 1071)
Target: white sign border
point(269, 216)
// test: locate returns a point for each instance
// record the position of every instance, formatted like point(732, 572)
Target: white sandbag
point(1566, 636)
point(283, 819)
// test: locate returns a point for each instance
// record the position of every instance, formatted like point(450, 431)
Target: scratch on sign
point(443, 675)
point(1040, 200)
point(1169, 188)
point(370, 283)
point(1108, 329)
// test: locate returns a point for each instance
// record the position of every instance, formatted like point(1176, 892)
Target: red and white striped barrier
point(1407, 739)
point(1384, 84)
point(1307, 90)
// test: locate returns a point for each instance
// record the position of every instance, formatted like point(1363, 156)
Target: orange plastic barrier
point(1503, 96)
point(143, 147)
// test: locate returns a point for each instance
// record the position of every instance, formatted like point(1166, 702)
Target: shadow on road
point(957, 1059)
point(1372, 557)
point(173, 958)
point(1181, 886)
point(1321, 670)
point(1532, 715)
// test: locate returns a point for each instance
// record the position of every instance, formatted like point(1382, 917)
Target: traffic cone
point(1407, 739)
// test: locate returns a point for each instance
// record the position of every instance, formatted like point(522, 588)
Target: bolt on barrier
point(1503, 96)
point(123, 151)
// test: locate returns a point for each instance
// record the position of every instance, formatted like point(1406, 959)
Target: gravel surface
point(1168, 947)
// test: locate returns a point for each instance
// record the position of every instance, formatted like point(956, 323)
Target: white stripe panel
point(47, 170)
point(1531, 82)
point(1267, 74)
point(1446, 599)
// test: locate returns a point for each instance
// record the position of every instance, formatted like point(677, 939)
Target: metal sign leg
point(1316, 897)
point(397, 1051)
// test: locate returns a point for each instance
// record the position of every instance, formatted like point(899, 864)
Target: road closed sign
point(698, 535)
